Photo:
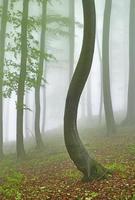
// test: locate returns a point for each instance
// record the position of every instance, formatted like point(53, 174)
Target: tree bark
point(21, 83)
point(77, 152)
point(2, 54)
point(110, 123)
point(130, 117)
point(39, 141)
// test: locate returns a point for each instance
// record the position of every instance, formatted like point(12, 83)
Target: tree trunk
point(130, 117)
point(77, 152)
point(2, 53)
point(71, 37)
point(101, 80)
point(21, 83)
point(39, 141)
point(110, 123)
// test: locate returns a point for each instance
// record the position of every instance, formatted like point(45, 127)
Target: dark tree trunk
point(71, 37)
point(110, 123)
point(39, 141)
point(130, 117)
point(2, 53)
point(21, 83)
point(77, 152)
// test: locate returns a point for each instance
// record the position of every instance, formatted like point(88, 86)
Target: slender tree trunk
point(21, 83)
point(130, 117)
point(101, 80)
point(39, 141)
point(2, 53)
point(71, 37)
point(110, 123)
point(77, 152)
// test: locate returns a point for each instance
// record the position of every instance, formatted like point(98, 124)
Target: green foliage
point(11, 185)
point(90, 195)
point(73, 174)
point(116, 167)
point(131, 149)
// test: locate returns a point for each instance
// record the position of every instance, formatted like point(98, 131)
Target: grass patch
point(11, 185)
point(116, 167)
point(131, 149)
point(73, 174)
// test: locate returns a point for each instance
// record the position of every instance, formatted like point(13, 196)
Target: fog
point(67, 99)
point(56, 72)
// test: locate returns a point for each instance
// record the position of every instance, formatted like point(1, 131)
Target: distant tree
point(2, 54)
point(101, 80)
point(130, 117)
point(21, 82)
point(39, 141)
point(110, 122)
point(71, 37)
point(77, 152)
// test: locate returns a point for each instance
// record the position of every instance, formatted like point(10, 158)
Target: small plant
point(10, 188)
point(90, 195)
point(116, 167)
point(131, 149)
point(73, 174)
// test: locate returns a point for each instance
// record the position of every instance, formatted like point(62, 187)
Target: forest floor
point(50, 174)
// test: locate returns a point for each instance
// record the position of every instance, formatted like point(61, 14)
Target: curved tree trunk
point(77, 152)
point(21, 83)
point(110, 123)
point(39, 141)
point(2, 53)
point(130, 117)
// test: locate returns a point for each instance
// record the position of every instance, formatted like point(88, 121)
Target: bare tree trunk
point(21, 83)
point(77, 152)
point(130, 117)
point(101, 80)
point(2, 54)
point(39, 141)
point(110, 123)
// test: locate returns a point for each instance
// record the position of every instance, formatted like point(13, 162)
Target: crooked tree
point(2, 54)
point(110, 122)
point(77, 152)
point(21, 82)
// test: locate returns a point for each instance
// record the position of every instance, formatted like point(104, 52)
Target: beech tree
point(130, 117)
point(39, 141)
point(110, 122)
point(2, 54)
point(21, 82)
point(77, 152)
